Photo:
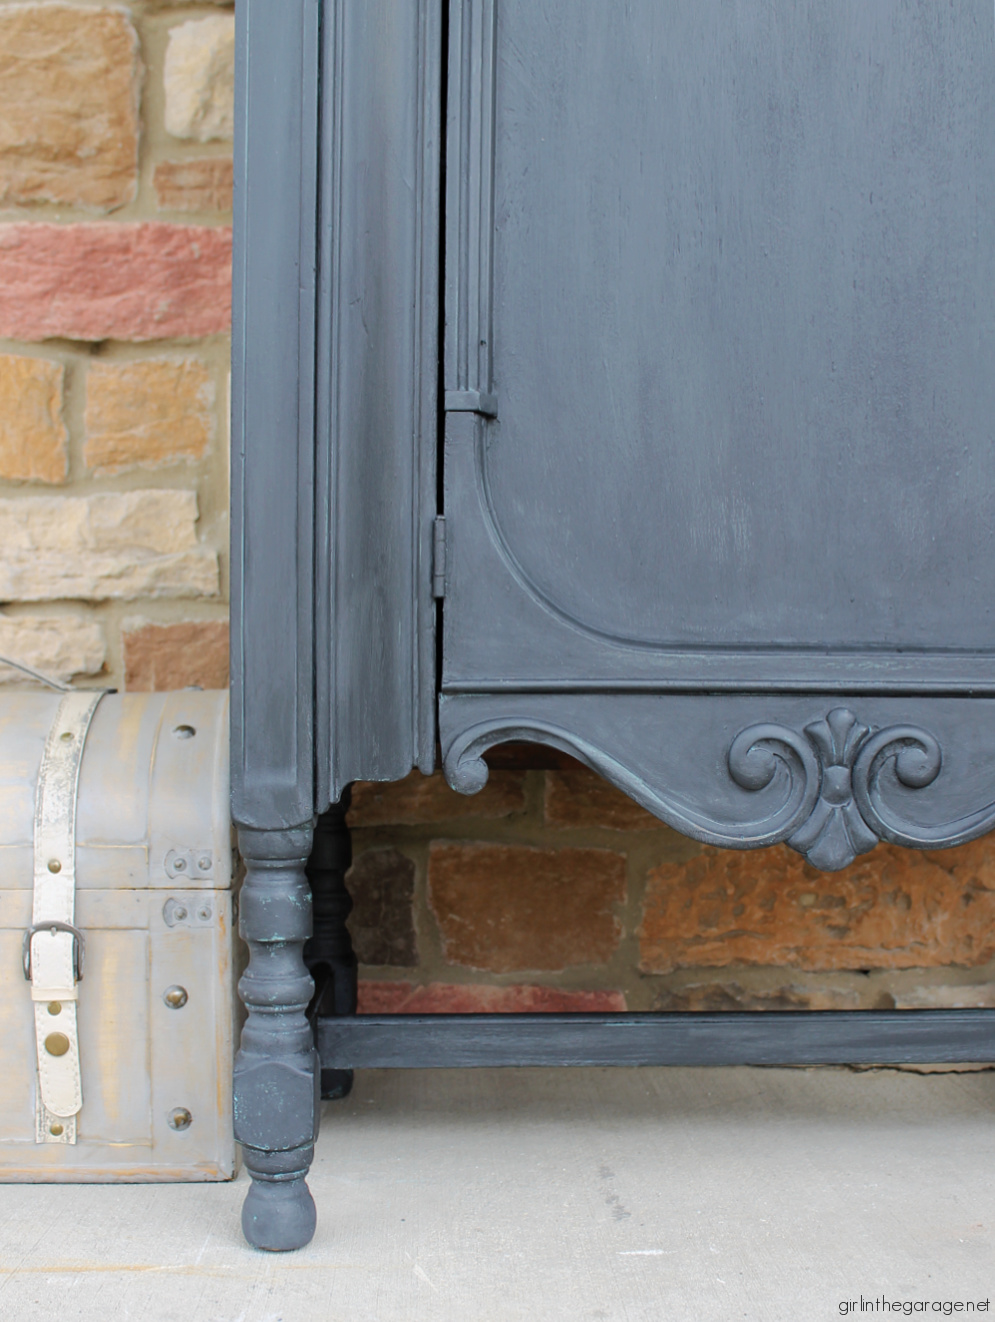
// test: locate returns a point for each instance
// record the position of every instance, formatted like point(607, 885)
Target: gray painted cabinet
point(616, 376)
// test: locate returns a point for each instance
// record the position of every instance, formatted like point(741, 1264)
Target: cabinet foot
point(278, 1215)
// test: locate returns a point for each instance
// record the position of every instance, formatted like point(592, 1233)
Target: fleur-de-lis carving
point(835, 832)
point(835, 769)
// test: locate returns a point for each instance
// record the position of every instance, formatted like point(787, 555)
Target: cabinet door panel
point(728, 270)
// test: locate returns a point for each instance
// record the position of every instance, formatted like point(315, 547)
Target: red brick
point(420, 798)
point(114, 282)
point(162, 657)
point(473, 998)
point(577, 797)
point(891, 909)
point(507, 908)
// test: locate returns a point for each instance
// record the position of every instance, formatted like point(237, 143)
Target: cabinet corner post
point(276, 1069)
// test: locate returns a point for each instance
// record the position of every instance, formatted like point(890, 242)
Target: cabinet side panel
point(378, 366)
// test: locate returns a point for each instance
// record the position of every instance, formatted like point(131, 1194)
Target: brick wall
point(548, 890)
point(115, 258)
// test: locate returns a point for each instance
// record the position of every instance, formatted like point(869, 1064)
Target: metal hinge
point(471, 401)
point(439, 557)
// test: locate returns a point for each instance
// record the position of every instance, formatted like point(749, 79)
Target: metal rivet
point(180, 865)
point(55, 1130)
point(179, 913)
point(180, 1118)
point(54, 865)
point(184, 732)
point(55, 1007)
point(204, 913)
point(175, 997)
point(66, 736)
point(204, 862)
point(57, 1044)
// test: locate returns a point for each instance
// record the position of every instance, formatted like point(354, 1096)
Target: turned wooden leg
point(329, 954)
point(276, 1070)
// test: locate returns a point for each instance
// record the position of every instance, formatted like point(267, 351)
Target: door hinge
point(471, 401)
point(439, 557)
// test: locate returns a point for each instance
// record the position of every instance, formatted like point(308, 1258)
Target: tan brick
point(578, 797)
point(147, 413)
point(33, 437)
point(162, 657)
point(113, 544)
point(700, 996)
point(69, 86)
point(969, 996)
point(60, 646)
point(204, 184)
point(507, 909)
point(199, 76)
point(892, 908)
point(107, 281)
point(157, 521)
point(474, 998)
point(420, 798)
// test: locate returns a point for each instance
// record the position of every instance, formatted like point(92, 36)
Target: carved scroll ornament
point(846, 818)
point(831, 776)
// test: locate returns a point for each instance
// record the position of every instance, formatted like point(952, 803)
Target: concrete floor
point(500, 1195)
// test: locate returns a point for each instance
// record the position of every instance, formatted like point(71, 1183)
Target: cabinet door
point(720, 389)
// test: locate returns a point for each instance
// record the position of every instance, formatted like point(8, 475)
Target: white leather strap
point(53, 947)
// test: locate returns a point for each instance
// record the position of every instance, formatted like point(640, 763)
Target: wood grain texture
point(744, 771)
point(739, 348)
point(728, 270)
point(818, 1037)
point(139, 1059)
point(153, 900)
point(376, 421)
point(273, 330)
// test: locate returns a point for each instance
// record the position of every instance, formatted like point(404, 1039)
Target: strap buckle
point(79, 946)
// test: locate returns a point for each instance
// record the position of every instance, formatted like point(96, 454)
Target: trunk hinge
point(439, 557)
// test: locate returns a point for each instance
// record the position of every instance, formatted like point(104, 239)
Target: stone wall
point(549, 890)
point(115, 259)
